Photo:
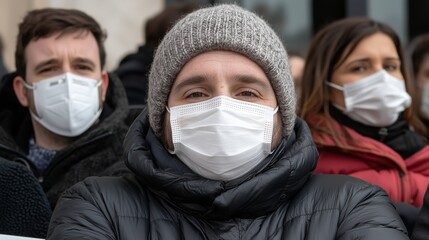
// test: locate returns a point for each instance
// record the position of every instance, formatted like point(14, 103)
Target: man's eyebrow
point(249, 79)
point(42, 64)
point(242, 78)
point(85, 60)
point(190, 81)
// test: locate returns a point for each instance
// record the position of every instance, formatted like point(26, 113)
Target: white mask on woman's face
point(376, 100)
point(222, 138)
point(66, 104)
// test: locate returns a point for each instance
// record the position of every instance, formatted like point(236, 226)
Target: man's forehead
point(78, 44)
point(74, 33)
point(72, 37)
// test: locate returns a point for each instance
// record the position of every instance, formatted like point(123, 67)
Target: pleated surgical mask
point(376, 100)
point(222, 138)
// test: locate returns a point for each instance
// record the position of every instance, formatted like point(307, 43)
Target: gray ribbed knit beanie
point(223, 27)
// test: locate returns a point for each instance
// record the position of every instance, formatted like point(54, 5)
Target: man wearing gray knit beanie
point(219, 153)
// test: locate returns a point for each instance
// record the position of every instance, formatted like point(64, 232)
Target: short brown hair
point(45, 22)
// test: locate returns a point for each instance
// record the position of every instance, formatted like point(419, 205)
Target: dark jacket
point(96, 152)
point(421, 227)
point(133, 70)
point(278, 200)
point(24, 208)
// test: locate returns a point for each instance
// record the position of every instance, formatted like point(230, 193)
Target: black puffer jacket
point(96, 152)
point(279, 200)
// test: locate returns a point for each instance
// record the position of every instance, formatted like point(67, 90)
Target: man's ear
point(104, 84)
point(20, 91)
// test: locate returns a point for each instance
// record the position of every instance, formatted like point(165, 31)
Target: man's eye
point(47, 69)
point(248, 94)
point(195, 95)
point(83, 67)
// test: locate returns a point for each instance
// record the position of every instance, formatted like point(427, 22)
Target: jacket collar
point(255, 194)
point(398, 136)
point(352, 143)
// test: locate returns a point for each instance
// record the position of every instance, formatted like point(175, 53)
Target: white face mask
point(66, 104)
point(424, 108)
point(222, 138)
point(376, 100)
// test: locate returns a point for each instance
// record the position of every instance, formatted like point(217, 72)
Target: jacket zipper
point(401, 179)
point(383, 132)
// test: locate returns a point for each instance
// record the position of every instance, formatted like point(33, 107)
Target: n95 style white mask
point(222, 138)
point(66, 104)
point(376, 100)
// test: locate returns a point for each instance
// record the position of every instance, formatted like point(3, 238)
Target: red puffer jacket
point(405, 180)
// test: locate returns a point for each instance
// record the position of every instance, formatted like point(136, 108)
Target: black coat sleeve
point(370, 214)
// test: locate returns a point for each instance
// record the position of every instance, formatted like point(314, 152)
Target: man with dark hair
point(134, 68)
point(56, 113)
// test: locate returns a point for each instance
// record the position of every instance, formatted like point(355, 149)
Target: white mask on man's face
point(66, 104)
point(222, 138)
point(376, 100)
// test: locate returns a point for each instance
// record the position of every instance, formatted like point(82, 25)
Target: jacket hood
point(16, 121)
point(259, 192)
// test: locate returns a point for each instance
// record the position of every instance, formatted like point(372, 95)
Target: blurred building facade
point(123, 21)
point(295, 21)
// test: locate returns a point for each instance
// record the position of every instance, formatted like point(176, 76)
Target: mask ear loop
point(338, 87)
point(275, 110)
point(28, 86)
point(98, 85)
point(333, 85)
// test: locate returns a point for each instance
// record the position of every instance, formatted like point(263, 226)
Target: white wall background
point(122, 19)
